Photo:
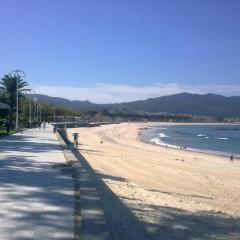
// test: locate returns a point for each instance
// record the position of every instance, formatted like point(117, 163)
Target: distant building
point(3, 106)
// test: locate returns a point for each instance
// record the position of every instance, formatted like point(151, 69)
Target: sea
point(213, 139)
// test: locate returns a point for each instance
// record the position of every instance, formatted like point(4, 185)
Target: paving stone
point(36, 200)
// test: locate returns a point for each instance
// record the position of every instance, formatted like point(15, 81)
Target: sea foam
point(162, 135)
point(201, 135)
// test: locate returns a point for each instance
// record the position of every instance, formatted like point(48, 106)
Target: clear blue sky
point(116, 50)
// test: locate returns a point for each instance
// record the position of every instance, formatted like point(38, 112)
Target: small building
point(4, 109)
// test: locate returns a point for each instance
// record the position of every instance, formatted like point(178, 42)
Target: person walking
point(44, 125)
point(7, 126)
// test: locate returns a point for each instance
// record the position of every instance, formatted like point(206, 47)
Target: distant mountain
point(211, 105)
point(76, 105)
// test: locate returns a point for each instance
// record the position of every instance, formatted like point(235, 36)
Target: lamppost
point(37, 112)
point(22, 75)
point(35, 109)
point(54, 115)
point(30, 109)
point(30, 106)
point(40, 113)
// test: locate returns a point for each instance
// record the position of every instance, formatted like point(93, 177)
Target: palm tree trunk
point(11, 112)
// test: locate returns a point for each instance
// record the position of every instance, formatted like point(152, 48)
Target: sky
point(110, 51)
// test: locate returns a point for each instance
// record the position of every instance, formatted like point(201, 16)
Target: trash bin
point(75, 139)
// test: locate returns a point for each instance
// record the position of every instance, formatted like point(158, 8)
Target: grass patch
point(3, 131)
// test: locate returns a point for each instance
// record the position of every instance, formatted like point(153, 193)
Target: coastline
point(161, 143)
point(156, 183)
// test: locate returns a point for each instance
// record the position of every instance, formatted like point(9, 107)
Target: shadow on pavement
point(34, 198)
point(23, 143)
point(31, 187)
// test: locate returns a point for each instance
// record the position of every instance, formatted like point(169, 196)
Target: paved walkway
point(36, 195)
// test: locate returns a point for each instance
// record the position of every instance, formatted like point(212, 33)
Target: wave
point(153, 140)
point(162, 135)
point(220, 138)
point(157, 141)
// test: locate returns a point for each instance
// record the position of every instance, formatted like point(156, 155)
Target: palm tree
point(8, 88)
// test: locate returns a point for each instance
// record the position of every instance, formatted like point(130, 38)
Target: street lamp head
point(19, 72)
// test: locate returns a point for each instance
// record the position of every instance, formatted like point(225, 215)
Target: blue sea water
point(215, 139)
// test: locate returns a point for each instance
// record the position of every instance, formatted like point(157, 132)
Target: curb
point(90, 223)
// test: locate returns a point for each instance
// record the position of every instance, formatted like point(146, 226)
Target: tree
point(8, 88)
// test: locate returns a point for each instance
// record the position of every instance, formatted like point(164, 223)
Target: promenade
point(36, 194)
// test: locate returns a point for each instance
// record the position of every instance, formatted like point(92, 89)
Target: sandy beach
point(177, 194)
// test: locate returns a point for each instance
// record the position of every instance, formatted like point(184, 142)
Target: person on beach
point(231, 158)
point(7, 125)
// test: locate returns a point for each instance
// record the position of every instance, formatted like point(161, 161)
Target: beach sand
point(173, 194)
